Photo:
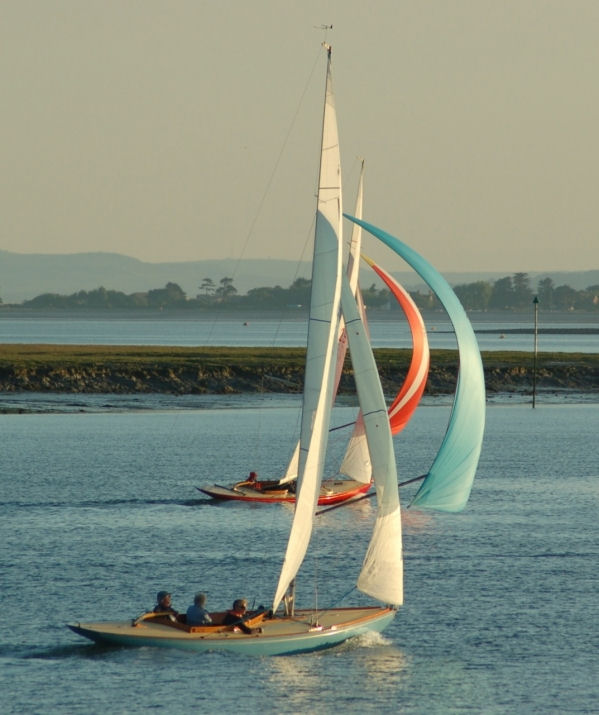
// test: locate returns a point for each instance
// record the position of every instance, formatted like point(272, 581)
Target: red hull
point(337, 491)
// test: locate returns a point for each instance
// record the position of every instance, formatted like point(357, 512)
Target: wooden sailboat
point(294, 630)
point(283, 629)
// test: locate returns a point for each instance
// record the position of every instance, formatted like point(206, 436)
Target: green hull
point(278, 636)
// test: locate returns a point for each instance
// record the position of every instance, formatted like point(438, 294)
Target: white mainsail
point(322, 344)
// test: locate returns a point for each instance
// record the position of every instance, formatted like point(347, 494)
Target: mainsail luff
point(448, 483)
point(322, 343)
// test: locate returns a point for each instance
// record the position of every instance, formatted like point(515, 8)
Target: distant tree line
point(514, 293)
point(509, 293)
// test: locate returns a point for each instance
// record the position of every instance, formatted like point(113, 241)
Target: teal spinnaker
point(448, 482)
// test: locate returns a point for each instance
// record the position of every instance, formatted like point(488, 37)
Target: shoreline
point(505, 317)
point(34, 403)
point(93, 369)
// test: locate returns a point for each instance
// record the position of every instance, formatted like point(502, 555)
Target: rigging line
point(276, 166)
point(316, 583)
point(348, 424)
point(366, 496)
point(310, 232)
point(307, 241)
point(338, 601)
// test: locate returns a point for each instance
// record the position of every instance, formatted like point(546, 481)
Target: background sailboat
point(355, 469)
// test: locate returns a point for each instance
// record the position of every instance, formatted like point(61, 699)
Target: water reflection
point(371, 658)
point(384, 667)
point(415, 522)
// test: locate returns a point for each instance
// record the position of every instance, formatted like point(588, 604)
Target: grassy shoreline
point(218, 370)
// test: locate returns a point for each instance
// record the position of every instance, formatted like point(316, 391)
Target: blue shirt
point(197, 616)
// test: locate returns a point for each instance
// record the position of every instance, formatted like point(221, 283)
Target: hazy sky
point(176, 130)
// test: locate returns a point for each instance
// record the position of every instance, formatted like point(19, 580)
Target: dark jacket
point(235, 618)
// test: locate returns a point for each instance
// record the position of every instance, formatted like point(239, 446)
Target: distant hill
point(25, 276)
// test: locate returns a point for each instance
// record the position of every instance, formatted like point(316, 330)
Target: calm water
point(99, 511)
point(492, 332)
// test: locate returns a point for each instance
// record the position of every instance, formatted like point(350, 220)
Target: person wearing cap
point(163, 603)
point(235, 616)
point(197, 615)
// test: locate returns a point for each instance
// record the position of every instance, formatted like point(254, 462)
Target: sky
point(180, 130)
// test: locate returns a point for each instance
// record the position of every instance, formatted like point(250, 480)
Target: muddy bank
point(122, 370)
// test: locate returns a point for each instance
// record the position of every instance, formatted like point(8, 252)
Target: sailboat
point(354, 477)
point(381, 576)
point(282, 628)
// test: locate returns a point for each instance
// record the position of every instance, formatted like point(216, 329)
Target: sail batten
point(448, 482)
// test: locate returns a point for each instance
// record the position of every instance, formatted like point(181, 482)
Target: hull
point(279, 636)
point(333, 491)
